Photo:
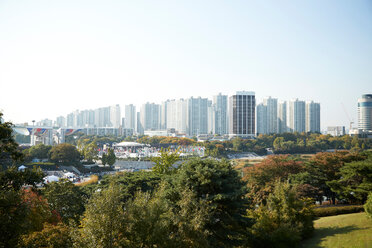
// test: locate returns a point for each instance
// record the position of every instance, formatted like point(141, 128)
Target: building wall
point(220, 115)
point(365, 112)
point(197, 116)
point(242, 108)
point(312, 117)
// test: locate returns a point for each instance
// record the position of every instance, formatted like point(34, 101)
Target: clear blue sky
point(59, 56)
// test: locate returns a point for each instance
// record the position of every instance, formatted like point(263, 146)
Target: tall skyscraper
point(282, 117)
point(267, 116)
point(177, 115)
point(296, 116)
point(130, 116)
point(365, 112)
point(312, 117)
point(220, 114)
point(197, 122)
point(115, 116)
point(140, 129)
point(60, 121)
point(150, 116)
point(261, 114)
point(163, 115)
point(242, 108)
point(271, 114)
point(211, 116)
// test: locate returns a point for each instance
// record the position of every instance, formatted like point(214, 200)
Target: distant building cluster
point(287, 116)
point(236, 115)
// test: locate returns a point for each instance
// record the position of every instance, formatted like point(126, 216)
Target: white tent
point(69, 175)
point(22, 168)
point(128, 144)
point(49, 179)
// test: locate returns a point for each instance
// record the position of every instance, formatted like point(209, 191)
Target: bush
point(368, 205)
point(284, 221)
point(336, 210)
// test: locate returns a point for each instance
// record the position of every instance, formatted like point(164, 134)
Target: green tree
point(90, 151)
point(8, 147)
point(104, 159)
point(355, 181)
point(262, 177)
point(325, 167)
point(51, 236)
point(131, 182)
point(153, 221)
point(164, 163)
point(64, 153)
point(39, 151)
point(219, 186)
point(368, 205)
point(111, 158)
point(102, 222)
point(65, 198)
point(283, 221)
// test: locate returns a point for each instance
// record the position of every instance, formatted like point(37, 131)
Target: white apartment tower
point(296, 116)
point(220, 114)
point(130, 116)
point(115, 116)
point(312, 117)
point(211, 116)
point(282, 117)
point(261, 118)
point(150, 116)
point(267, 116)
point(197, 116)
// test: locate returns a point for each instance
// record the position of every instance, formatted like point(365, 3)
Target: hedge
point(336, 210)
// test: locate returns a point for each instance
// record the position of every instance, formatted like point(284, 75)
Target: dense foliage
point(199, 203)
point(368, 205)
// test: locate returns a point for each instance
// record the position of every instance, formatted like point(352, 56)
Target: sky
point(60, 56)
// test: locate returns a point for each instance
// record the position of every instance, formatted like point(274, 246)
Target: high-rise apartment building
point(60, 121)
point(115, 116)
point(282, 117)
point(220, 114)
point(150, 116)
point(296, 116)
point(197, 116)
point(242, 108)
point(365, 112)
point(261, 117)
point(177, 115)
point(140, 129)
point(163, 115)
point(130, 116)
point(312, 117)
point(267, 116)
point(211, 116)
point(271, 114)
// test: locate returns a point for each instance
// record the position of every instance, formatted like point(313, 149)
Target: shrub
point(336, 210)
point(368, 205)
point(283, 221)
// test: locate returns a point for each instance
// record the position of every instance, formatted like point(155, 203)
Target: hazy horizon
point(56, 57)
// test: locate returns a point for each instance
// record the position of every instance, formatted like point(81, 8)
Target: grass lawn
point(346, 230)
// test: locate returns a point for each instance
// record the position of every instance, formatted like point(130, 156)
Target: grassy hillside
point(347, 230)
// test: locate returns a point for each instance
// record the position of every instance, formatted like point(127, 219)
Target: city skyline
point(59, 57)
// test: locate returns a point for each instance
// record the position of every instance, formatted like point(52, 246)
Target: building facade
point(242, 107)
point(197, 116)
point(296, 116)
point(365, 113)
point(312, 117)
point(220, 114)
